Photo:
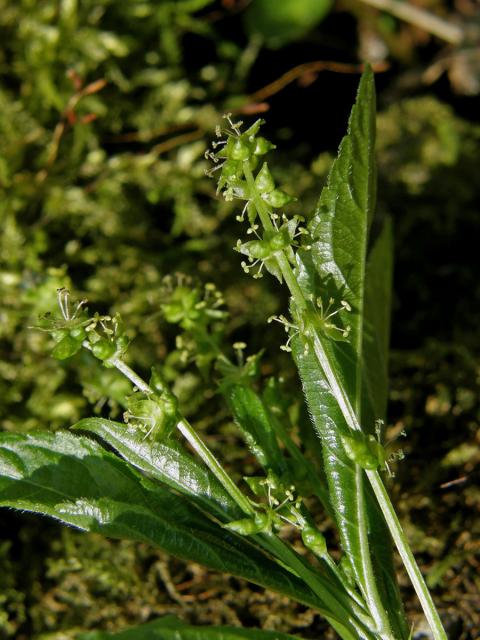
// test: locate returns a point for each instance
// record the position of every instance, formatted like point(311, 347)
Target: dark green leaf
point(255, 423)
point(171, 628)
point(339, 227)
point(169, 463)
point(73, 479)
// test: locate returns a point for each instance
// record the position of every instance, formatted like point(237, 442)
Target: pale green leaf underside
point(165, 462)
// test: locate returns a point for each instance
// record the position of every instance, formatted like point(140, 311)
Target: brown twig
point(307, 68)
point(68, 118)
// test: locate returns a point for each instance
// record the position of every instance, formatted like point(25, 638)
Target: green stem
point(369, 585)
point(322, 589)
point(190, 435)
point(346, 408)
point(407, 556)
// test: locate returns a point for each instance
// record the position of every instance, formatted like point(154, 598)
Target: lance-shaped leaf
point(350, 495)
point(253, 419)
point(171, 628)
point(336, 268)
point(72, 479)
point(167, 462)
point(340, 225)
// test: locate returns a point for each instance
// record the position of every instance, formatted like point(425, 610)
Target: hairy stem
point(369, 586)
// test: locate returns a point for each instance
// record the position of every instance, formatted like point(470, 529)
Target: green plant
point(150, 488)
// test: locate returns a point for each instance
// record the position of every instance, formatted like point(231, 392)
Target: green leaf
point(281, 22)
point(350, 495)
point(376, 334)
point(171, 628)
point(340, 225)
point(255, 423)
point(336, 268)
point(167, 462)
point(72, 479)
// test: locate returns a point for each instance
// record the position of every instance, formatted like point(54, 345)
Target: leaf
point(340, 225)
point(350, 495)
point(285, 21)
point(74, 480)
point(336, 268)
point(255, 423)
point(376, 334)
point(169, 464)
point(171, 628)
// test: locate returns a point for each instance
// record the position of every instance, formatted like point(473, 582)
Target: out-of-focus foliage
point(92, 97)
point(281, 22)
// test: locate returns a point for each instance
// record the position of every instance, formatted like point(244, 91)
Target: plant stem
point(190, 435)
point(369, 585)
point(407, 556)
point(318, 586)
point(339, 608)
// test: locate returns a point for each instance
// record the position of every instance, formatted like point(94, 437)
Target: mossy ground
point(117, 199)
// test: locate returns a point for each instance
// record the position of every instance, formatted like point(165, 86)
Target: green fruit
point(264, 180)
point(66, 348)
point(314, 540)
point(277, 198)
point(262, 146)
point(78, 333)
point(241, 150)
point(103, 349)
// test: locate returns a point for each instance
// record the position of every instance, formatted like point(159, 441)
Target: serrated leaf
point(72, 479)
point(336, 268)
point(350, 495)
point(340, 225)
point(168, 463)
point(171, 628)
point(254, 421)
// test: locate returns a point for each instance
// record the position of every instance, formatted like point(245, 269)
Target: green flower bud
point(280, 240)
point(66, 348)
point(314, 540)
point(241, 150)
point(78, 333)
point(103, 349)
point(359, 450)
point(244, 527)
point(264, 180)
point(59, 334)
point(262, 146)
point(277, 198)
point(249, 526)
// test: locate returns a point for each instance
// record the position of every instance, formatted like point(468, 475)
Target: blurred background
point(106, 110)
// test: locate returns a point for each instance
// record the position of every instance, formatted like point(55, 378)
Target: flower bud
point(277, 198)
point(264, 180)
point(314, 540)
point(66, 348)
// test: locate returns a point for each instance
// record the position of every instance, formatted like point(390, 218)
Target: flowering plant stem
point(274, 545)
point(399, 538)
